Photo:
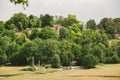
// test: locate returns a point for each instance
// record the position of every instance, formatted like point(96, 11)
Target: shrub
point(56, 61)
point(3, 58)
point(115, 59)
point(89, 61)
point(48, 66)
point(29, 69)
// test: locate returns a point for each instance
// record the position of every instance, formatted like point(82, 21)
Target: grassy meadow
point(101, 72)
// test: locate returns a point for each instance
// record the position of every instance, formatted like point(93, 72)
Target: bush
point(112, 59)
point(115, 59)
point(29, 69)
point(48, 66)
point(89, 61)
point(65, 60)
point(3, 59)
point(56, 61)
point(107, 60)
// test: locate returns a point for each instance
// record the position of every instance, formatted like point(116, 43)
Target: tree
point(27, 54)
point(2, 26)
point(34, 33)
point(71, 19)
point(21, 39)
point(38, 23)
point(10, 24)
point(4, 42)
point(65, 52)
point(12, 49)
point(91, 24)
point(3, 58)
point(46, 20)
point(48, 48)
point(108, 25)
point(10, 33)
point(117, 23)
point(23, 2)
point(97, 51)
point(60, 20)
point(110, 29)
point(32, 21)
point(76, 51)
point(64, 33)
point(48, 33)
point(19, 20)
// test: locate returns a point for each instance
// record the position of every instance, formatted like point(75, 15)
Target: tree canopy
point(31, 39)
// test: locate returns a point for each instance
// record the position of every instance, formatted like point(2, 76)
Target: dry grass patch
point(102, 72)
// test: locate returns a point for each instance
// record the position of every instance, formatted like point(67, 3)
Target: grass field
point(101, 72)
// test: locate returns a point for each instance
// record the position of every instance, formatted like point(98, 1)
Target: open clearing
point(102, 72)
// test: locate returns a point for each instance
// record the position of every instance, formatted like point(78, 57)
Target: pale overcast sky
point(83, 9)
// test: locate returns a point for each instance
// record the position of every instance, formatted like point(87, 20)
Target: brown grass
point(102, 72)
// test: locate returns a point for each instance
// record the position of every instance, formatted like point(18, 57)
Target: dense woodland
point(58, 41)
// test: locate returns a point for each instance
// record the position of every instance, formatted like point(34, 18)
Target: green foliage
point(19, 20)
point(2, 26)
point(46, 20)
point(115, 58)
point(89, 61)
point(56, 61)
point(12, 49)
point(48, 48)
point(25, 37)
point(64, 33)
point(3, 58)
point(23, 2)
point(32, 21)
point(34, 33)
point(71, 19)
point(20, 59)
point(112, 59)
point(21, 39)
point(91, 24)
point(38, 23)
point(9, 24)
point(110, 26)
point(4, 42)
point(10, 33)
point(76, 51)
point(48, 33)
point(117, 23)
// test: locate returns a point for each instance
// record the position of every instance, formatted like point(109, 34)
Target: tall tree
point(48, 49)
point(71, 19)
point(46, 20)
point(32, 21)
point(91, 24)
point(19, 20)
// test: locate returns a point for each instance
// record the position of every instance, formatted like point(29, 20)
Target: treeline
point(58, 41)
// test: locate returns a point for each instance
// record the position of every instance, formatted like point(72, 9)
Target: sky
point(83, 9)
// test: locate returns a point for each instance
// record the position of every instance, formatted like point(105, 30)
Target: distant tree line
point(23, 37)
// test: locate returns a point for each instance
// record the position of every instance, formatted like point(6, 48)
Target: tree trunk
point(33, 61)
